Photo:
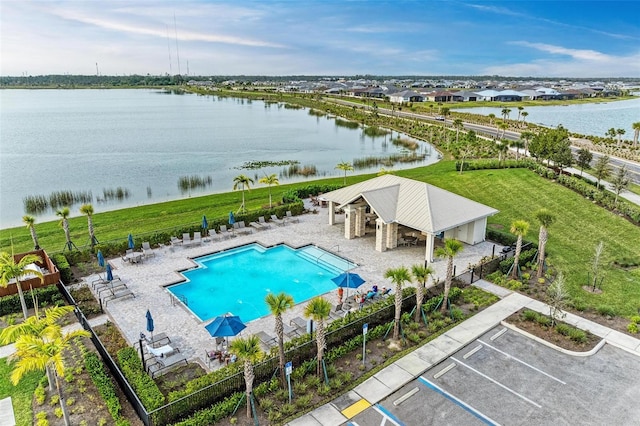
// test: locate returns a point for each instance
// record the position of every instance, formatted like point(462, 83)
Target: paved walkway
point(393, 377)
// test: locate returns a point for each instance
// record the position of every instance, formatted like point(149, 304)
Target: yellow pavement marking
point(356, 408)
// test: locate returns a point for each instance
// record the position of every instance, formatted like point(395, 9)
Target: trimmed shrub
point(215, 413)
point(61, 262)
point(633, 328)
point(142, 384)
point(578, 335)
point(530, 315)
point(49, 295)
point(606, 311)
point(105, 386)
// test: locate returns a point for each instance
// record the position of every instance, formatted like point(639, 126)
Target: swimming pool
point(237, 280)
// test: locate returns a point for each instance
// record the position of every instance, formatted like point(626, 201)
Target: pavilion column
point(361, 221)
point(429, 250)
point(392, 235)
point(381, 235)
point(332, 213)
point(349, 222)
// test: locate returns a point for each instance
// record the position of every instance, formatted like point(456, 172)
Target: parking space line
point(386, 415)
point(459, 402)
point(522, 362)
point(497, 383)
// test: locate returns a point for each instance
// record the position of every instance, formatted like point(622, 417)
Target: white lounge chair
point(226, 233)
point(242, 229)
point(267, 340)
point(258, 226)
point(263, 222)
point(186, 239)
point(147, 251)
point(279, 222)
point(197, 238)
point(291, 218)
point(175, 242)
point(213, 235)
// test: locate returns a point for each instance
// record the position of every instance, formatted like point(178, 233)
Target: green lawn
point(517, 193)
point(21, 395)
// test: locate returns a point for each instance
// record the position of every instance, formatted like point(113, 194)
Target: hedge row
point(526, 256)
point(505, 238)
point(45, 296)
point(61, 262)
point(215, 413)
point(493, 163)
point(297, 194)
point(142, 384)
point(105, 386)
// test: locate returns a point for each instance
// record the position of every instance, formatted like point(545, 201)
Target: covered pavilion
point(395, 203)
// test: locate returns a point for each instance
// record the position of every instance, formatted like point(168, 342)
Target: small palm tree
point(270, 180)
point(520, 109)
point(30, 221)
point(345, 167)
point(636, 132)
point(10, 270)
point(87, 210)
point(398, 277)
point(458, 124)
point(502, 126)
point(620, 133)
point(243, 182)
point(505, 113)
point(64, 213)
point(318, 309)
point(524, 116)
point(279, 304)
point(546, 219)
point(450, 250)
point(491, 118)
point(247, 350)
point(526, 138)
point(420, 274)
point(518, 228)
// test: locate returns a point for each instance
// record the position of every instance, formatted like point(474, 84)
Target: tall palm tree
point(526, 137)
point(502, 126)
point(345, 167)
point(318, 309)
point(505, 113)
point(458, 124)
point(87, 210)
point(243, 182)
point(10, 270)
point(64, 213)
point(520, 109)
point(247, 350)
point(611, 134)
point(546, 219)
point(278, 304)
point(270, 180)
point(620, 133)
point(636, 132)
point(524, 116)
point(42, 351)
point(518, 228)
point(450, 250)
point(492, 117)
point(398, 276)
point(420, 273)
point(30, 221)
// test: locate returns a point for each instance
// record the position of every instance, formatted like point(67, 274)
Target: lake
point(143, 141)
point(587, 119)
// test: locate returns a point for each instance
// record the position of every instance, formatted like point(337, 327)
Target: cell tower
point(169, 48)
point(175, 27)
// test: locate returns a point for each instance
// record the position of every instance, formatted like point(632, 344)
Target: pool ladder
point(175, 298)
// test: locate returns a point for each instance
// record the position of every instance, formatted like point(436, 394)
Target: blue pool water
point(237, 280)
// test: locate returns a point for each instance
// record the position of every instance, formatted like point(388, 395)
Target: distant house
point(464, 96)
point(406, 96)
point(440, 96)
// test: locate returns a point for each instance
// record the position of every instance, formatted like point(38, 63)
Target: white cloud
point(582, 54)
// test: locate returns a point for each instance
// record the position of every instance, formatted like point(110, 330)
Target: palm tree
point(420, 274)
point(445, 112)
point(520, 109)
point(345, 167)
point(518, 228)
point(87, 210)
point(611, 133)
point(10, 270)
point(503, 147)
point(30, 221)
point(517, 145)
point(398, 276)
point(546, 219)
point(318, 309)
point(278, 304)
point(636, 132)
point(270, 180)
point(503, 126)
point(247, 350)
point(526, 137)
point(620, 133)
point(505, 113)
point(491, 118)
point(243, 182)
point(450, 249)
point(458, 124)
point(42, 351)
point(524, 116)
point(64, 213)
point(601, 169)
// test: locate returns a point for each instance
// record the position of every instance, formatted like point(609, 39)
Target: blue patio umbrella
point(225, 326)
point(100, 259)
point(130, 241)
point(205, 224)
point(150, 324)
point(232, 218)
point(109, 273)
point(348, 280)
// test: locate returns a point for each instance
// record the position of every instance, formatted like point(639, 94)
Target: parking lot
point(506, 378)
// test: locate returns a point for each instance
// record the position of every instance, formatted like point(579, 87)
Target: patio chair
point(197, 238)
point(165, 357)
point(338, 312)
point(147, 251)
point(119, 295)
point(290, 331)
point(175, 242)
point(213, 235)
point(263, 222)
point(112, 288)
point(226, 233)
point(302, 325)
point(158, 339)
point(291, 218)
point(242, 229)
point(258, 226)
point(267, 340)
point(186, 239)
point(279, 222)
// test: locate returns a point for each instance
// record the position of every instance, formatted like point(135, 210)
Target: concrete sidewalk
point(406, 369)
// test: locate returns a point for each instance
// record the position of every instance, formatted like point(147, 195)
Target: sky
point(325, 37)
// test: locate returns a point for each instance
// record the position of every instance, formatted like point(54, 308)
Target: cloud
point(581, 54)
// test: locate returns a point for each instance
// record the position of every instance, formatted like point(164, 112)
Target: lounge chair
point(147, 251)
point(290, 331)
point(226, 233)
point(267, 340)
point(175, 242)
point(301, 324)
point(197, 238)
point(291, 218)
point(263, 222)
point(213, 235)
point(159, 339)
point(242, 229)
point(112, 288)
point(279, 222)
point(338, 312)
point(258, 226)
point(165, 357)
point(186, 239)
point(119, 295)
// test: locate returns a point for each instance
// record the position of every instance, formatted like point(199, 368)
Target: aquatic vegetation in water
point(254, 165)
point(187, 183)
point(346, 123)
point(386, 161)
point(406, 143)
point(298, 170)
point(373, 131)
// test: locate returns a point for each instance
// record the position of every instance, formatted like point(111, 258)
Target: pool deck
point(148, 279)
